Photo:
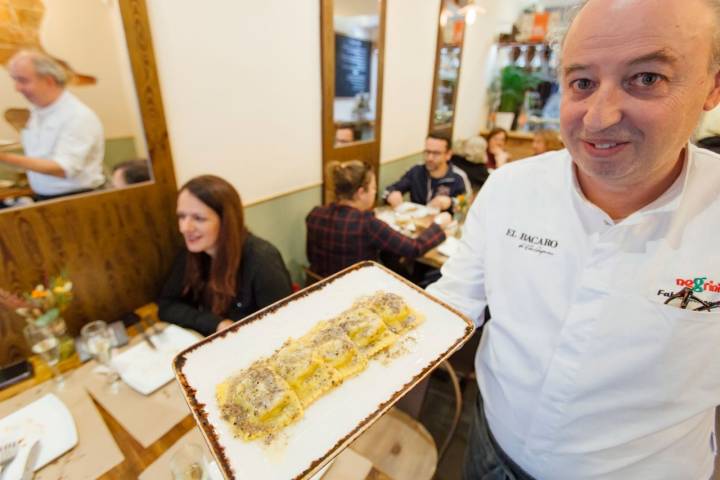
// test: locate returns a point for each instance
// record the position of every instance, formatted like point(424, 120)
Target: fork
point(8, 450)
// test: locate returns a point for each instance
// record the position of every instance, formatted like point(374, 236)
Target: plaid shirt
point(339, 235)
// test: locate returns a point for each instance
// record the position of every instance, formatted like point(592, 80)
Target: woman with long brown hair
point(224, 273)
point(497, 156)
point(347, 231)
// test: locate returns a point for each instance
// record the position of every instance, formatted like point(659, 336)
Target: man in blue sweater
point(435, 183)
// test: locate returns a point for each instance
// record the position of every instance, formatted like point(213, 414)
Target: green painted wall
point(7, 172)
point(118, 150)
point(281, 220)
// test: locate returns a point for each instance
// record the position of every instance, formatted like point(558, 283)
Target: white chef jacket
point(69, 133)
point(584, 371)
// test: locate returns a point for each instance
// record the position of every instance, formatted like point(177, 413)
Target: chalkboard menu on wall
point(352, 66)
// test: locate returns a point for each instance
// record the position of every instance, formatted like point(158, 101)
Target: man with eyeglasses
point(435, 183)
point(599, 263)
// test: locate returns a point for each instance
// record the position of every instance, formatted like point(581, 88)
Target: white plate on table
point(449, 246)
point(146, 369)
point(415, 210)
point(47, 419)
point(333, 421)
point(388, 216)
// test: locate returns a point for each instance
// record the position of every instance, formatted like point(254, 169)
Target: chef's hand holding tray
point(283, 392)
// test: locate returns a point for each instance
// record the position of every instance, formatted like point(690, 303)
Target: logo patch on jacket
point(534, 243)
point(697, 293)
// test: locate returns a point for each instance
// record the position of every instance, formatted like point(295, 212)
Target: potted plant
point(514, 82)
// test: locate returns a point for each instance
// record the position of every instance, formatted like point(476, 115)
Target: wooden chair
point(399, 446)
point(463, 361)
point(457, 391)
point(412, 404)
point(17, 117)
point(311, 277)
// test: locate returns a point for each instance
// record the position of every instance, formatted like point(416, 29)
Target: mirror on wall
point(356, 26)
point(451, 33)
point(352, 43)
point(41, 118)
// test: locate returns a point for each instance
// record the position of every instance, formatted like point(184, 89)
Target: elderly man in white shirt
point(63, 140)
point(599, 263)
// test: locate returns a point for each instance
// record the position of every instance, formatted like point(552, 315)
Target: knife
point(145, 336)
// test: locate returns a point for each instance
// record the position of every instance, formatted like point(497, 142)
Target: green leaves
point(514, 82)
point(47, 318)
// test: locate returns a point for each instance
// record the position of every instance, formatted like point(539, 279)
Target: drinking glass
point(98, 340)
point(188, 463)
point(44, 343)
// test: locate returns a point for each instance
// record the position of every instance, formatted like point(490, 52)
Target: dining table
point(433, 258)
point(124, 434)
point(17, 187)
point(126, 450)
point(411, 219)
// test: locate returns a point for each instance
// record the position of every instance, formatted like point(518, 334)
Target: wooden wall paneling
point(436, 71)
point(327, 81)
point(369, 151)
point(380, 84)
point(115, 245)
point(445, 129)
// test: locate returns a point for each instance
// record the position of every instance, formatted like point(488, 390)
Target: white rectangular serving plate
point(333, 421)
point(48, 419)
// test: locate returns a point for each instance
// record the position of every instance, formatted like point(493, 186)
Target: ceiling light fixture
point(444, 15)
point(471, 10)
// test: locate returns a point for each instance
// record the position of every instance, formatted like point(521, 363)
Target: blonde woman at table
point(347, 231)
point(224, 273)
point(546, 141)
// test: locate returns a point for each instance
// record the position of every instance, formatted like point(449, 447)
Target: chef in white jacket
point(600, 263)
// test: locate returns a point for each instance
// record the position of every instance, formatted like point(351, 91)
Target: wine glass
point(98, 340)
point(44, 343)
point(188, 463)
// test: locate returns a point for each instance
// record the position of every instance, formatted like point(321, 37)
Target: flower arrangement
point(460, 209)
point(462, 204)
point(43, 305)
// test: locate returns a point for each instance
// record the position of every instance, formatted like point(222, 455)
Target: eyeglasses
point(433, 153)
point(685, 296)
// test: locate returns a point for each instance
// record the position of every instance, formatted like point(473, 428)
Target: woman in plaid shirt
point(347, 231)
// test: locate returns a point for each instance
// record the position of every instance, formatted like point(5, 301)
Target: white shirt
point(69, 133)
point(584, 371)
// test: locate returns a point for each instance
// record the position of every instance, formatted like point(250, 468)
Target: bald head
point(635, 81)
point(623, 7)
